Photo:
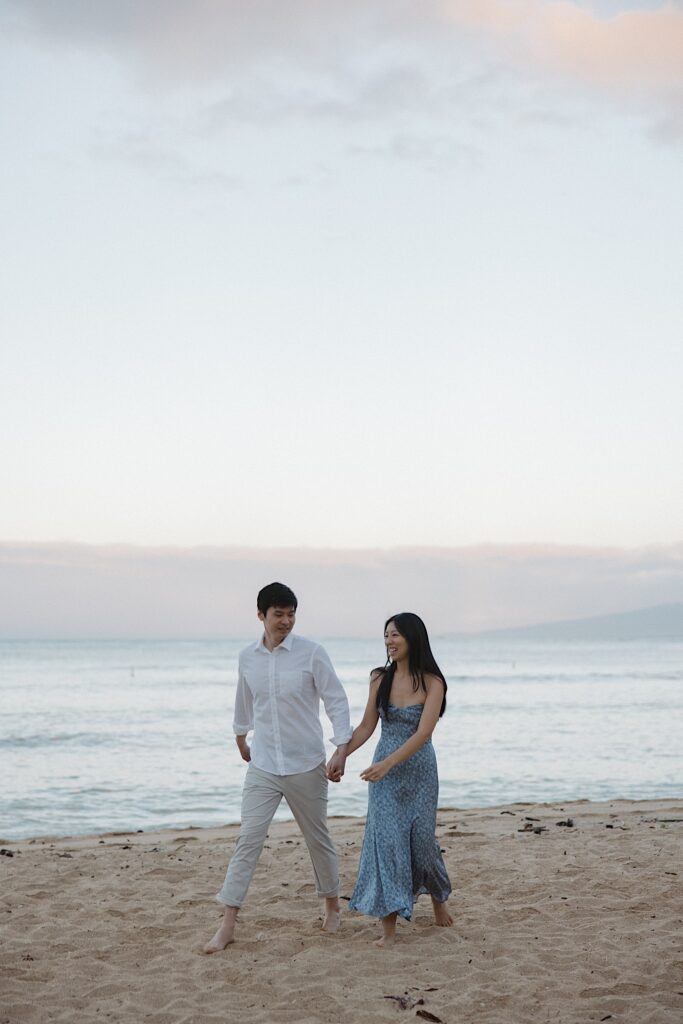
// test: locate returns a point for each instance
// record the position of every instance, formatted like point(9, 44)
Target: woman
point(401, 858)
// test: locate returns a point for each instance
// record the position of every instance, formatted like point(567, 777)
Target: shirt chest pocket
point(291, 682)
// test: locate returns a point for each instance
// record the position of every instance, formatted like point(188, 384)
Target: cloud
point(335, 99)
point(80, 591)
point(668, 129)
point(430, 79)
point(144, 149)
point(632, 49)
point(204, 38)
point(436, 152)
point(634, 46)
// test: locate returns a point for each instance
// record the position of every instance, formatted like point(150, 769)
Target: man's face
point(278, 623)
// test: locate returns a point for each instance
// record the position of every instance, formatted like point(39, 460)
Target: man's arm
point(336, 707)
point(243, 718)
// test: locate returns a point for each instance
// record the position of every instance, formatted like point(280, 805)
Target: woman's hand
point(375, 772)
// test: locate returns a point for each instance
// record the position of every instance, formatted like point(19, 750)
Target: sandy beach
point(552, 923)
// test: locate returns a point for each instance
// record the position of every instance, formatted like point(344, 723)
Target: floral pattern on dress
point(401, 858)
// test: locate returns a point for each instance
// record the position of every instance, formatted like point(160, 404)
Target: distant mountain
point(663, 622)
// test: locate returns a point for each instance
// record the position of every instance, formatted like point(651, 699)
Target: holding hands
point(335, 766)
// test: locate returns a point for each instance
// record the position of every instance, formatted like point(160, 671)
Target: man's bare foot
point(332, 918)
point(442, 915)
point(225, 934)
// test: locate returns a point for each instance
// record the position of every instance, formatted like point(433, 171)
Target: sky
point(341, 275)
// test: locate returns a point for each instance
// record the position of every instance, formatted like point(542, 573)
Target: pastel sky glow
point(341, 274)
point(77, 591)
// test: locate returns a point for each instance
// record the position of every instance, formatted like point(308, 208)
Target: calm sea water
point(102, 736)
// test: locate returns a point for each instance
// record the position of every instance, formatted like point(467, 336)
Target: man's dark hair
point(275, 595)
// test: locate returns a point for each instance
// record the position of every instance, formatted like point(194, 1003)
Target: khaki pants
point(306, 794)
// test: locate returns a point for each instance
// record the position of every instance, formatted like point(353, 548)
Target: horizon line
point(451, 634)
point(310, 548)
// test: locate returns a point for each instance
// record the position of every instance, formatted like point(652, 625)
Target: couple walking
point(282, 679)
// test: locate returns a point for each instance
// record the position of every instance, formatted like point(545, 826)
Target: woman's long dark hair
point(421, 661)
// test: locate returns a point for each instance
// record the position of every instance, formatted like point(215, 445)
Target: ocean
point(121, 735)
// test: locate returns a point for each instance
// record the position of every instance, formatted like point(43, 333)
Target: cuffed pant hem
point(328, 895)
point(226, 903)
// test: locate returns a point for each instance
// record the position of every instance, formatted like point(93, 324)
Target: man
point(281, 680)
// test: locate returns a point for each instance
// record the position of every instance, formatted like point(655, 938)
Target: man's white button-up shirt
point(278, 696)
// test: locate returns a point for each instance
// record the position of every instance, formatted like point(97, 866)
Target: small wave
point(515, 675)
point(85, 739)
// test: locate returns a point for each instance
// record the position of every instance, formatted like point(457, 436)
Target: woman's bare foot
point(226, 932)
point(442, 915)
point(332, 918)
point(389, 929)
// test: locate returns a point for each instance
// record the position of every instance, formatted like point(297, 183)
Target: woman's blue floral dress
point(401, 858)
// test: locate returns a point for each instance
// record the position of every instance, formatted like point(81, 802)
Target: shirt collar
point(286, 643)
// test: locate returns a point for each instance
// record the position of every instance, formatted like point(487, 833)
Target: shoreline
point(567, 923)
point(225, 828)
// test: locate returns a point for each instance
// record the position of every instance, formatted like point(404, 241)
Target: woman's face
point(396, 645)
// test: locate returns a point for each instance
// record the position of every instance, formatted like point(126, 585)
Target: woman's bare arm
point(361, 734)
point(428, 720)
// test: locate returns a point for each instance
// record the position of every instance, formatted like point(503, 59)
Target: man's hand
point(243, 748)
point(335, 766)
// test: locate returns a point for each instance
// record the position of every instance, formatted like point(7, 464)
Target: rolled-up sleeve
point(243, 718)
point(332, 695)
